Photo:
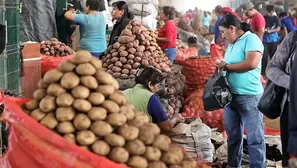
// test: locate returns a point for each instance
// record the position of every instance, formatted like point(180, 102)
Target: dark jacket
point(119, 26)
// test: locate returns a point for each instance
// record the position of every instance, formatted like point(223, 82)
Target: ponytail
point(230, 19)
point(245, 27)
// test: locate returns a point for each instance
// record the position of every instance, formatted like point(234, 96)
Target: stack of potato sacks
point(82, 103)
point(136, 46)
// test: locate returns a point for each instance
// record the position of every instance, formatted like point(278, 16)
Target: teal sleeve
point(80, 19)
point(253, 43)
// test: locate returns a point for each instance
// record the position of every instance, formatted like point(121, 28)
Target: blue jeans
point(98, 55)
point(242, 113)
point(171, 53)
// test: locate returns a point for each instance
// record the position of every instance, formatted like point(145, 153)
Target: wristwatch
point(225, 67)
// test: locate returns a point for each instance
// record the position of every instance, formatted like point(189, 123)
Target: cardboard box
point(275, 124)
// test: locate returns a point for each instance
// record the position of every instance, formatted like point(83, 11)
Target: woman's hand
point(221, 64)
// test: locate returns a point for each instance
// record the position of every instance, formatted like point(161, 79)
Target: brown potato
point(188, 164)
point(47, 104)
point(162, 142)
point(133, 71)
point(81, 122)
point(65, 127)
point(125, 71)
point(150, 127)
point(157, 164)
point(39, 94)
point(152, 153)
point(97, 113)
point(111, 106)
point(127, 66)
point(66, 66)
point(131, 50)
point(52, 76)
point(42, 84)
point(105, 78)
point(128, 112)
point(81, 57)
point(49, 121)
point(80, 92)
point(85, 69)
point(82, 105)
point(64, 100)
point(118, 64)
point(65, 113)
point(173, 156)
point(96, 62)
point(85, 137)
point(114, 140)
point(122, 48)
point(101, 128)
point(101, 148)
point(32, 105)
point(130, 61)
point(124, 53)
point(114, 59)
point(114, 54)
point(146, 137)
point(105, 89)
point(129, 133)
point(136, 65)
point(116, 69)
point(137, 161)
point(37, 115)
point(137, 59)
point(139, 120)
point(175, 166)
point(123, 60)
point(70, 138)
point(119, 155)
point(70, 80)
point(117, 44)
point(89, 82)
point(130, 57)
point(138, 54)
point(116, 119)
point(130, 45)
point(116, 74)
point(55, 89)
point(135, 147)
point(96, 98)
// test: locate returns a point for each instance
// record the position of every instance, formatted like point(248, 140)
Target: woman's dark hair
point(149, 75)
point(230, 19)
point(169, 12)
point(270, 8)
point(121, 5)
point(205, 13)
point(218, 9)
point(192, 40)
point(97, 5)
point(283, 14)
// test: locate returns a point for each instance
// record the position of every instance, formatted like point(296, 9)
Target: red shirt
point(190, 16)
point(258, 22)
point(169, 32)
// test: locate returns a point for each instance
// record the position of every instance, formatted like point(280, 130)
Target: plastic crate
point(12, 16)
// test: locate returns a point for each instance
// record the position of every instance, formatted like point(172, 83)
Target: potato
point(140, 119)
point(136, 65)
point(137, 161)
point(70, 138)
point(81, 57)
point(80, 92)
point(101, 128)
point(126, 39)
point(52, 76)
point(128, 112)
point(123, 60)
point(114, 54)
point(126, 32)
point(118, 98)
point(116, 119)
point(105, 65)
point(116, 74)
point(137, 59)
point(81, 122)
point(152, 153)
point(82, 105)
point(124, 53)
point(114, 140)
point(47, 104)
point(133, 71)
point(70, 80)
point(64, 100)
point(118, 64)
point(32, 105)
point(127, 66)
point(175, 166)
point(97, 113)
point(125, 71)
point(111, 106)
point(85, 137)
point(131, 50)
point(114, 59)
point(89, 82)
point(85, 69)
point(55, 89)
point(105, 78)
point(188, 164)
point(145, 62)
point(130, 56)
point(138, 54)
point(49, 121)
point(130, 61)
point(135, 147)
point(42, 84)
point(116, 69)
point(65, 127)
point(110, 66)
point(122, 48)
point(119, 155)
point(146, 137)
point(124, 76)
point(96, 98)
point(129, 133)
point(162, 142)
point(150, 127)
point(157, 164)
point(39, 94)
point(130, 45)
point(65, 114)
point(66, 66)
point(140, 48)
point(113, 50)
point(101, 148)
point(174, 155)
point(37, 115)
point(106, 89)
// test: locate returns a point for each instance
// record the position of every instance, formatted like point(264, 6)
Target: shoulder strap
point(293, 52)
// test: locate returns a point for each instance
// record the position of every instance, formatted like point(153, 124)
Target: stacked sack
point(82, 103)
point(136, 46)
point(182, 54)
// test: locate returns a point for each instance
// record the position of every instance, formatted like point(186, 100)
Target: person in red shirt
point(226, 10)
point(168, 33)
point(257, 20)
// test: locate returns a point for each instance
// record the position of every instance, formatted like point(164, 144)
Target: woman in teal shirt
point(206, 20)
point(92, 27)
point(242, 64)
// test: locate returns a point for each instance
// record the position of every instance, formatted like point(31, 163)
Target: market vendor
point(168, 33)
point(92, 27)
point(121, 14)
point(143, 97)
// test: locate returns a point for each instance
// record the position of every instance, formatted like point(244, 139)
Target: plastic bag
point(49, 62)
point(217, 93)
point(143, 10)
point(34, 146)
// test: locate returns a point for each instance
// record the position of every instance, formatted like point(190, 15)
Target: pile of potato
point(55, 48)
point(82, 103)
point(136, 46)
point(181, 45)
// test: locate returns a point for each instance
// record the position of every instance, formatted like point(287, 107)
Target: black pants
point(284, 129)
point(269, 50)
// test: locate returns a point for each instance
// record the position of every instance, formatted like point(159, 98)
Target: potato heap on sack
point(82, 103)
point(136, 46)
point(55, 48)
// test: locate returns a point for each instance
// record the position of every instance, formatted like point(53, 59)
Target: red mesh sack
point(197, 71)
point(183, 54)
point(50, 62)
point(34, 146)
